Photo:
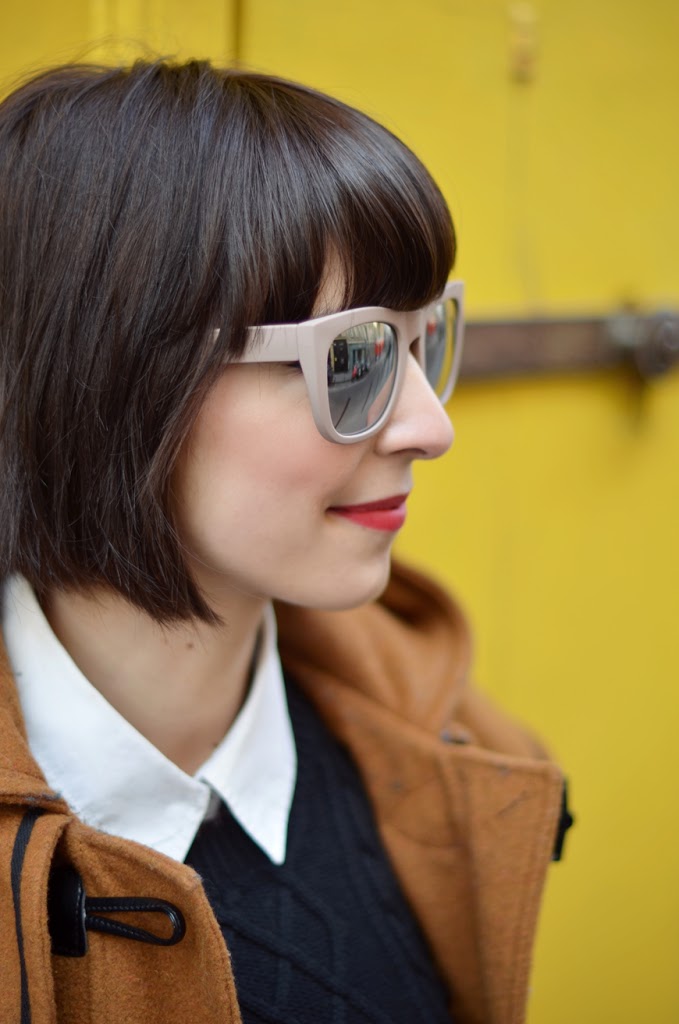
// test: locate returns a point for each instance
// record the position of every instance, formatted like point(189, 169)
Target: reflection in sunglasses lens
point(361, 374)
point(440, 343)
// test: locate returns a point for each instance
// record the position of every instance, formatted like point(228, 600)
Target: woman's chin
point(353, 588)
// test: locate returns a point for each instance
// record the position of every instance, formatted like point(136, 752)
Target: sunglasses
point(354, 362)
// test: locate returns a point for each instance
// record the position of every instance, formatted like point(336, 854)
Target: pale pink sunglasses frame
point(308, 344)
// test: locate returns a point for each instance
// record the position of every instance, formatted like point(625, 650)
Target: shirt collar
point(115, 779)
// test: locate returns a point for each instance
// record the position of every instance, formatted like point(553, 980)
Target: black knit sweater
point(327, 936)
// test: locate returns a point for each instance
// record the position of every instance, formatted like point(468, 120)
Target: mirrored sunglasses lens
point(361, 375)
point(440, 335)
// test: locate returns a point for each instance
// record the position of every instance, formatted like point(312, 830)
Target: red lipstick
point(387, 514)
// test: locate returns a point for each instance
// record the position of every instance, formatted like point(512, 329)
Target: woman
point(200, 417)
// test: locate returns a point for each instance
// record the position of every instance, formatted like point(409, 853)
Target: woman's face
point(258, 487)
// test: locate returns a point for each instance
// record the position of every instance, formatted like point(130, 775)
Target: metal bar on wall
point(506, 348)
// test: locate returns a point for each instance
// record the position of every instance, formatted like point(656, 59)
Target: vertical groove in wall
point(237, 30)
point(101, 20)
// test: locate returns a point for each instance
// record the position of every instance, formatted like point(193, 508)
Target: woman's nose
point(418, 422)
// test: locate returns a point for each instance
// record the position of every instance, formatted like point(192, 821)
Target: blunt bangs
point(141, 208)
point(320, 178)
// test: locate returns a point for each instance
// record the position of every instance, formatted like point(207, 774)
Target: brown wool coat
point(466, 804)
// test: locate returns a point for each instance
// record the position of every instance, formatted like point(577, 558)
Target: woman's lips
point(387, 514)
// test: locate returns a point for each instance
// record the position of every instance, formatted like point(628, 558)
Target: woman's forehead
point(331, 293)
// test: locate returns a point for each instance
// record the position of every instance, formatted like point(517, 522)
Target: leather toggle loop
point(71, 914)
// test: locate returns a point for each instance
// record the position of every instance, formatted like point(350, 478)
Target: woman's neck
point(180, 686)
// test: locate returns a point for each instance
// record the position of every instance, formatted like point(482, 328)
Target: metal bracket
point(504, 348)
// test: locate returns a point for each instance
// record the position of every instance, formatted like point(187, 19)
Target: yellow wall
point(556, 515)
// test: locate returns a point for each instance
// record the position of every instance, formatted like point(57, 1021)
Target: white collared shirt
point(115, 779)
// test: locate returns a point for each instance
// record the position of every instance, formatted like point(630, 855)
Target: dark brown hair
point(140, 208)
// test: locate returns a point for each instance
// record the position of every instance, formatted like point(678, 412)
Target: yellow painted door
point(552, 128)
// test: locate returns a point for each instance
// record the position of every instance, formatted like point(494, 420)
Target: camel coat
point(467, 806)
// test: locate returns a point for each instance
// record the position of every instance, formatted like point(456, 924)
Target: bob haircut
point(141, 208)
